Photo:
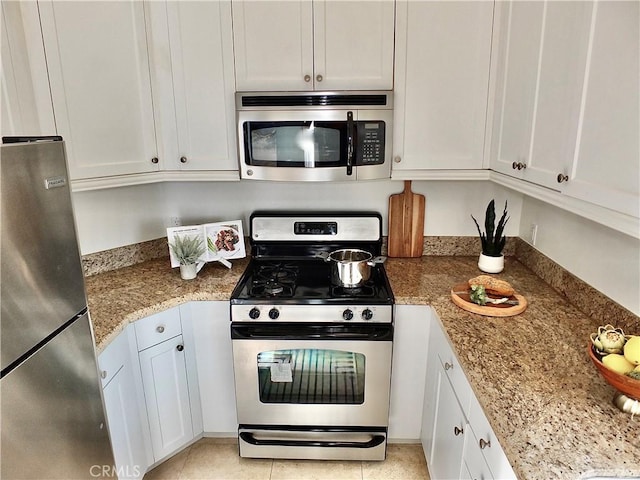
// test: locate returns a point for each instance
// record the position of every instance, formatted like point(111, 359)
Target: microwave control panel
point(370, 142)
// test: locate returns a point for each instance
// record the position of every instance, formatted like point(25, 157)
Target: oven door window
point(304, 376)
point(309, 144)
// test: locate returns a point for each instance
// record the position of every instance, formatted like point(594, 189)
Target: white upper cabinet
point(606, 167)
point(313, 45)
point(142, 88)
point(443, 57)
point(192, 68)
point(100, 86)
point(26, 103)
point(568, 105)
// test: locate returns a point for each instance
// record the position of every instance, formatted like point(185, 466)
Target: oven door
point(312, 375)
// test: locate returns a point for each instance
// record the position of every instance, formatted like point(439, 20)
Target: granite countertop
point(546, 402)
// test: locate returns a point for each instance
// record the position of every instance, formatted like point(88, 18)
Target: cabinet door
point(606, 170)
point(408, 370)
point(273, 44)
point(128, 428)
point(450, 429)
point(353, 45)
point(26, 101)
point(521, 26)
point(100, 86)
point(164, 378)
point(443, 53)
point(210, 323)
point(200, 44)
point(125, 424)
point(474, 466)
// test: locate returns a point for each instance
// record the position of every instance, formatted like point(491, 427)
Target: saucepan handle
point(375, 260)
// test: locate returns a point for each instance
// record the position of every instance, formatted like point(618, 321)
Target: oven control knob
point(254, 313)
point(274, 313)
point(347, 314)
point(367, 314)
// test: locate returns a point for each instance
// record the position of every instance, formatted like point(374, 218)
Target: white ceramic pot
point(189, 272)
point(491, 264)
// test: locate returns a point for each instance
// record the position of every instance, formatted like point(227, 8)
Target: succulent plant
point(493, 239)
point(187, 249)
point(608, 340)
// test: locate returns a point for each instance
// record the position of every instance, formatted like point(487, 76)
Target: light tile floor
point(217, 459)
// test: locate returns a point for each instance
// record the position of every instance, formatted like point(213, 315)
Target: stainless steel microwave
point(315, 136)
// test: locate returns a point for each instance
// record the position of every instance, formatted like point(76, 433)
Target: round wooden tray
point(463, 301)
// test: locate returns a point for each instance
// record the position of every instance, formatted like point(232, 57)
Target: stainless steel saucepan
point(351, 267)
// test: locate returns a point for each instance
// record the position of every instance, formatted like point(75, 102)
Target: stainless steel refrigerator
point(52, 417)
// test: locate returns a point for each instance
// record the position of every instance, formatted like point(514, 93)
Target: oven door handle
point(382, 332)
point(251, 439)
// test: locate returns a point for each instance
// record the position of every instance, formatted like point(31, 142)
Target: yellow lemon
point(617, 363)
point(632, 350)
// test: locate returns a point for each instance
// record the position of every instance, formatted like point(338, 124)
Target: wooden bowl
point(623, 383)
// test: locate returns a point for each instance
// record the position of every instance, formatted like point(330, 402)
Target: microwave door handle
point(349, 143)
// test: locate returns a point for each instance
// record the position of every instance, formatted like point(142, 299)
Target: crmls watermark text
point(111, 471)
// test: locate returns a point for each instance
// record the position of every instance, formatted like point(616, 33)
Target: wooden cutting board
point(406, 223)
point(460, 296)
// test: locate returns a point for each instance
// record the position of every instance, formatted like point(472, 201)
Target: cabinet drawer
point(490, 449)
point(113, 358)
point(157, 328)
point(456, 376)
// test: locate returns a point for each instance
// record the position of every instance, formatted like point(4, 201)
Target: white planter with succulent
point(188, 251)
point(493, 240)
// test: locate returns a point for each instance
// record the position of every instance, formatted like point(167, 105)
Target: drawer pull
point(562, 178)
point(458, 431)
point(448, 366)
point(103, 374)
point(483, 443)
point(160, 329)
point(180, 348)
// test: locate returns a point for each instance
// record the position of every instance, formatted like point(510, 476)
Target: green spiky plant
point(187, 249)
point(493, 239)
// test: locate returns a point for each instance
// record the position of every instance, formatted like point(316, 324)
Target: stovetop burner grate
point(274, 279)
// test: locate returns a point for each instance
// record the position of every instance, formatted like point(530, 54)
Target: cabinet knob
point(154, 160)
point(483, 443)
point(103, 374)
point(514, 165)
point(448, 366)
point(518, 165)
point(563, 178)
point(180, 347)
point(319, 78)
point(307, 78)
point(397, 159)
point(183, 159)
point(457, 431)
point(160, 329)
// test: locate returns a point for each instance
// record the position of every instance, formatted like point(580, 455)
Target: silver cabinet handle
point(483, 443)
point(180, 347)
point(562, 178)
point(458, 431)
point(319, 78)
point(183, 159)
point(103, 374)
point(160, 329)
point(154, 160)
point(448, 366)
point(307, 78)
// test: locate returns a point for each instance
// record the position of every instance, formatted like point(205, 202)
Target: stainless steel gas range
point(312, 355)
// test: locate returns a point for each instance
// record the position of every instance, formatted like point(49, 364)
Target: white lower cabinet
point(408, 367)
point(456, 436)
point(210, 327)
point(165, 382)
point(128, 426)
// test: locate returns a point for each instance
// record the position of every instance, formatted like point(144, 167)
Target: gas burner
point(363, 291)
point(274, 280)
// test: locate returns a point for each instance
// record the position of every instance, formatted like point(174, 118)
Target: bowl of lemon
point(617, 358)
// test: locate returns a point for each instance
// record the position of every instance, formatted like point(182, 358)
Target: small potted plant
point(187, 250)
point(493, 240)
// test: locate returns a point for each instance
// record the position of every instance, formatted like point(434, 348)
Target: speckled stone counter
point(547, 404)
